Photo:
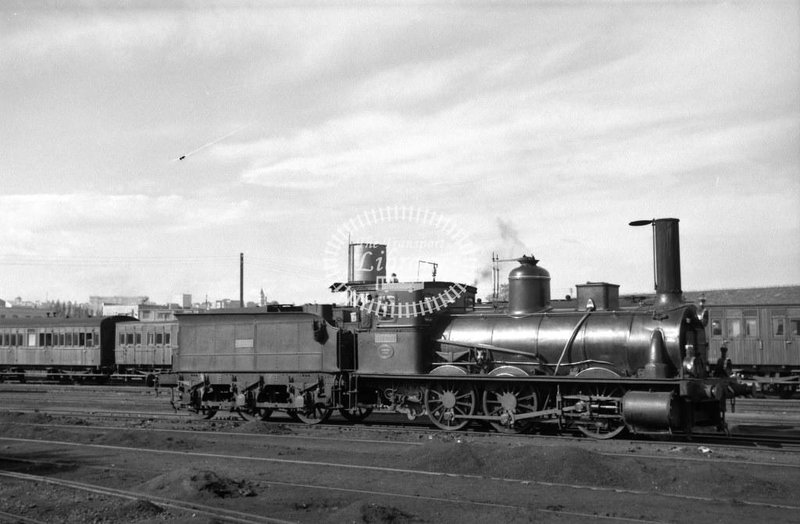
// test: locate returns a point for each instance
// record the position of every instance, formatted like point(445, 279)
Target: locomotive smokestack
point(666, 260)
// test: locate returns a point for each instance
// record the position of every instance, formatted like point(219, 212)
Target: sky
point(143, 148)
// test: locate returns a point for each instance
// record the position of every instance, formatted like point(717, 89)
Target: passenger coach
point(61, 348)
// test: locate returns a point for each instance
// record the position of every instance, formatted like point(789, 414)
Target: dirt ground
point(291, 473)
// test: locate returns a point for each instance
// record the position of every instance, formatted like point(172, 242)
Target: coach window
point(48, 339)
point(716, 328)
point(31, 337)
point(778, 326)
point(89, 339)
point(159, 339)
point(794, 326)
point(167, 338)
point(750, 323)
point(151, 337)
point(129, 339)
point(138, 339)
point(69, 339)
point(62, 338)
point(734, 327)
point(122, 339)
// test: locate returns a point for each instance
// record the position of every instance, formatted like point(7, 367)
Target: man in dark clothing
point(723, 366)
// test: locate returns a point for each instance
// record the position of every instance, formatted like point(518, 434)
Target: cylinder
point(647, 412)
point(528, 288)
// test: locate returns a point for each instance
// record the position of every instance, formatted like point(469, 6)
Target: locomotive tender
point(425, 348)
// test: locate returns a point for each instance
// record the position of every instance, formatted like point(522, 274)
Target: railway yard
point(122, 454)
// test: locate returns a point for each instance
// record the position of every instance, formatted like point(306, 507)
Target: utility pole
point(241, 279)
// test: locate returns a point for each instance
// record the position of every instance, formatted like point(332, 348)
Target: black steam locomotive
point(427, 348)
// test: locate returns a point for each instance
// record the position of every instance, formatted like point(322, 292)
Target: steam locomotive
point(427, 349)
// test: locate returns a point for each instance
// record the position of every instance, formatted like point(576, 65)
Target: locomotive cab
point(398, 322)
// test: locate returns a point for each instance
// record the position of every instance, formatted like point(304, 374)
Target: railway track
point(191, 509)
point(352, 476)
point(755, 422)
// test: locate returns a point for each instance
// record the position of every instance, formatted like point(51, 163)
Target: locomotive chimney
point(666, 260)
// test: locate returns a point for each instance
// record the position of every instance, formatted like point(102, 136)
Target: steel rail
point(16, 519)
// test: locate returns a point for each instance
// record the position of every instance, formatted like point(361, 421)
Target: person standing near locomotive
point(723, 365)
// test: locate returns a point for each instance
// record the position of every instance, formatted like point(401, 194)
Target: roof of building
point(749, 296)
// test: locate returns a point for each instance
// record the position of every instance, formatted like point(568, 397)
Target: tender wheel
point(313, 415)
point(356, 414)
point(605, 421)
point(507, 401)
point(445, 402)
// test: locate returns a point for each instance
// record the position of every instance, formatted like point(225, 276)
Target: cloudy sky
point(448, 131)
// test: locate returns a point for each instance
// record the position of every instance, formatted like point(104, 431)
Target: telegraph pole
point(241, 279)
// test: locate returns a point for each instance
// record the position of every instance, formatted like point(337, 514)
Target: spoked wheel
point(606, 421)
point(507, 401)
point(356, 414)
point(446, 402)
point(314, 414)
point(264, 413)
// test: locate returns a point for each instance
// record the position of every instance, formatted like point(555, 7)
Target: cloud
point(72, 223)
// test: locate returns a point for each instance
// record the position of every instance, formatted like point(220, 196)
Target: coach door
point(745, 347)
point(793, 336)
point(782, 339)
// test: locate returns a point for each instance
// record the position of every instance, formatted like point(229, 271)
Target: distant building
point(227, 303)
point(116, 305)
point(25, 312)
point(183, 301)
point(110, 310)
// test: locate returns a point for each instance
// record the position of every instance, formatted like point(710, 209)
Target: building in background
point(116, 305)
